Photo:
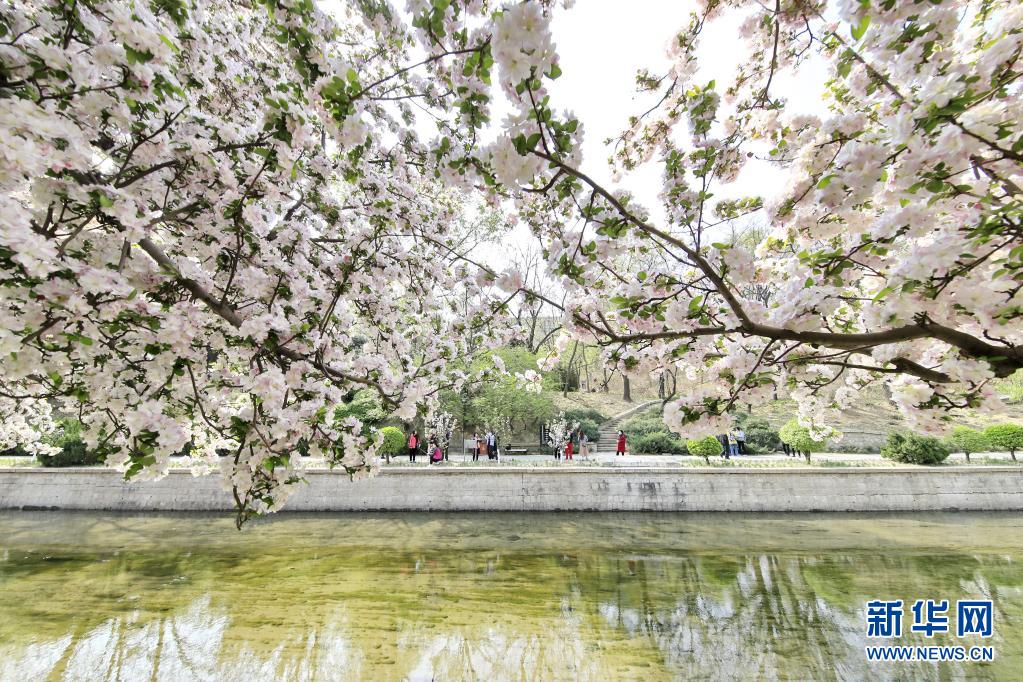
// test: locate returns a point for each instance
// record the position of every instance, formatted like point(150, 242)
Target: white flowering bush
point(26, 422)
point(559, 430)
point(440, 426)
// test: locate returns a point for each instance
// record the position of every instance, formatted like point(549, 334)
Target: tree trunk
point(568, 369)
point(626, 391)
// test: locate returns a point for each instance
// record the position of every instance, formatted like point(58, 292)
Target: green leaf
point(167, 41)
point(858, 30)
point(137, 57)
point(825, 181)
point(884, 292)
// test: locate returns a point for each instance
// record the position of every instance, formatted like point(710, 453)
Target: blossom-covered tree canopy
point(219, 218)
point(216, 224)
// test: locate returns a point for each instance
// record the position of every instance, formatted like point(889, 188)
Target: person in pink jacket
point(413, 446)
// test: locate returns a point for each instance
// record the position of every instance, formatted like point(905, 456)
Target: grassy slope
point(873, 413)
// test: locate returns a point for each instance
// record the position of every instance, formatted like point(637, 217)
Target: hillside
point(864, 426)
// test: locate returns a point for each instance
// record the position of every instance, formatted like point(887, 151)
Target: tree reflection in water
point(87, 596)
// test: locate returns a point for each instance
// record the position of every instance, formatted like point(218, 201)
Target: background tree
point(1005, 437)
point(394, 442)
point(968, 441)
point(800, 438)
point(705, 447)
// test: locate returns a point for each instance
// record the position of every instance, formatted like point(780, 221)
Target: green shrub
point(1005, 437)
point(706, 447)
point(365, 406)
point(798, 438)
point(640, 426)
point(394, 441)
point(585, 413)
point(660, 443)
point(761, 437)
point(68, 437)
point(913, 448)
point(842, 446)
point(967, 441)
point(590, 428)
point(72, 454)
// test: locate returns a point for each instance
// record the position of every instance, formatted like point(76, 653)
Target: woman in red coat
point(621, 444)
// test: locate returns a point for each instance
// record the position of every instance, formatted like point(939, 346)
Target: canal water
point(493, 596)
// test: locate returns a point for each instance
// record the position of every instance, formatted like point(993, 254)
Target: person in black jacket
point(723, 439)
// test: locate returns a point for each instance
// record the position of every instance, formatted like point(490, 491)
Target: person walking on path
point(733, 444)
point(740, 439)
point(568, 449)
point(621, 444)
point(413, 446)
point(476, 447)
point(723, 439)
point(584, 449)
point(491, 445)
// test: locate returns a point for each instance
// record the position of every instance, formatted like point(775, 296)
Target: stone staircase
point(609, 429)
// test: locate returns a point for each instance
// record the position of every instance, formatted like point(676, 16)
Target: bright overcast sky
point(601, 47)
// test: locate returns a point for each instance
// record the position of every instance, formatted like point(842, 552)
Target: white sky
point(601, 47)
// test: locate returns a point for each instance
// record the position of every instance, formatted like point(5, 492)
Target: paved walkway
point(610, 459)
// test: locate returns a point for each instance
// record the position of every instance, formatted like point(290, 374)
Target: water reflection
point(89, 596)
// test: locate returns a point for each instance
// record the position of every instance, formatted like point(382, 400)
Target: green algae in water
point(491, 596)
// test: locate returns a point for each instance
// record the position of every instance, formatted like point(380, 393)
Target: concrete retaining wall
point(525, 489)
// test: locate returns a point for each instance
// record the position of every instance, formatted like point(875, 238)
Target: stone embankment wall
point(531, 489)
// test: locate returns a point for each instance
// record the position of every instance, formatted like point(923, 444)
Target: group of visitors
point(433, 450)
point(485, 445)
point(578, 437)
point(577, 442)
point(733, 443)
